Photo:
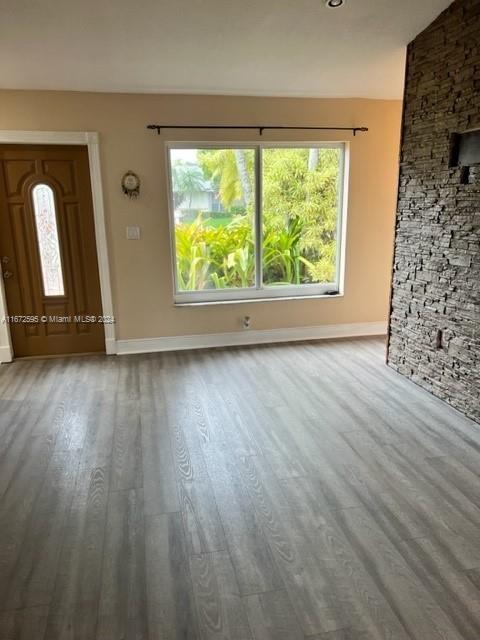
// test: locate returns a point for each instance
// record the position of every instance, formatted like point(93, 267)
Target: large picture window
point(256, 221)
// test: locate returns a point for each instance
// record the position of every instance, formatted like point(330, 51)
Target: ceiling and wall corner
point(254, 47)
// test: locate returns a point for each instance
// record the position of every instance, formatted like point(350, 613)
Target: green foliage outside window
point(299, 209)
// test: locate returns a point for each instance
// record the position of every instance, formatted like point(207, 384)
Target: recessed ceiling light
point(334, 4)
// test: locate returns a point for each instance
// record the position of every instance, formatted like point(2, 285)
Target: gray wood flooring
point(262, 493)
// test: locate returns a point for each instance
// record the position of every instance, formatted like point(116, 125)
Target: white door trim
point(90, 140)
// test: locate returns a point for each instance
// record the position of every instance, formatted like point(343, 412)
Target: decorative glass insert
point(47, 237)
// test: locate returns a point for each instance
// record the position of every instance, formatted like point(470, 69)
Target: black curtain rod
point(261, 129)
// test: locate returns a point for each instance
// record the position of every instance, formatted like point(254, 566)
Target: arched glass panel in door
point(47, 238)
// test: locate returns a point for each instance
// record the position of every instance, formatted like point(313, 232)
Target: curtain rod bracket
point(155, 127)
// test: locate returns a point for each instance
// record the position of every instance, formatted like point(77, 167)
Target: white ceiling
point(247, 47)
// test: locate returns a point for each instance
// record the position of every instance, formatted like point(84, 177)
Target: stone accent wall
point(434, 334)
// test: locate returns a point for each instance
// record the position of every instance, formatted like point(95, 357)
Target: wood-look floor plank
point(440, 507)
point(72, 418)
point(32, 578)
point(17, 505)
point(356, 599)
point(451, 588)
point(187, 443)
point(33, 416)
point(74, 607)
point(219, 605)
point(37, 497)
point(272, 616)
point(251, 555)
point(27, 385)
point(275, 441)
point(202, 401)
point(16, 439)
point(304, 573)
point(461, 512)
point(230, 414)
point(126, 466)
point(328, 459)
point(171, 609)
point(342, 634)
point(474, 577)
point(98, 444)
point(122, 607)
point(460, 476)
point(203, 528)
point(159, 479)
point(411, 601)
point(16, 378)
point(23, 624)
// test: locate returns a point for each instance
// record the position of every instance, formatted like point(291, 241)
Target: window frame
point(259, 292)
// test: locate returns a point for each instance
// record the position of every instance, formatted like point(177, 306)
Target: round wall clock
point(131, 184)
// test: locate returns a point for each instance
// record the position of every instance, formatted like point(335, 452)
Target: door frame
point(90, 139)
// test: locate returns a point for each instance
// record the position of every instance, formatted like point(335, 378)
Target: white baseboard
point(5, 354)
point(264, 336)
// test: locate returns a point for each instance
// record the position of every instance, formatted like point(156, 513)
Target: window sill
point(210, 303)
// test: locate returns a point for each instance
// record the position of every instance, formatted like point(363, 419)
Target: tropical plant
point(193, 260)
point(299, 195)
point(224, 257)
point(281, 253)
point(231, 170)
point(239, 266)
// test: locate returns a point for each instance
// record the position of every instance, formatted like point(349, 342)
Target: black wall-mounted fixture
point(261, 128)
point(465, 149)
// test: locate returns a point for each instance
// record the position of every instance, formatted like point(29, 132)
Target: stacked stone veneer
point(436, 277)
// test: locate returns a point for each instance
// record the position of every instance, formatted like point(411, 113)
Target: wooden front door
point(48, 252)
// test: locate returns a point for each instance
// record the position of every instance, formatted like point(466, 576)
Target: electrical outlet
point(133, 233)
point(246, 322)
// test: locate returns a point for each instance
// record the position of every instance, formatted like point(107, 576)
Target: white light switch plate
point(133, 233)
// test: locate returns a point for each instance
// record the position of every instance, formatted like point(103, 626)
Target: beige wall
point(141, 270)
